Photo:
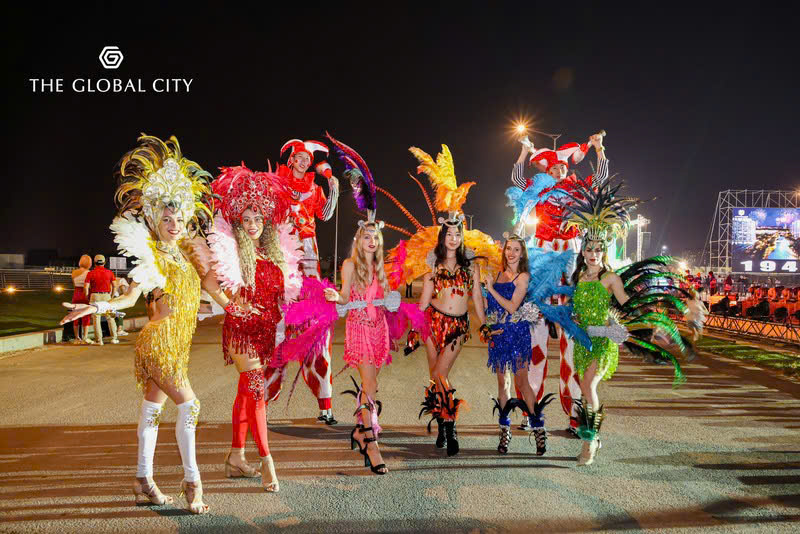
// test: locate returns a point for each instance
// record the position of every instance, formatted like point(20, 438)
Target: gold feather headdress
point(449, 195)
point(155, 175)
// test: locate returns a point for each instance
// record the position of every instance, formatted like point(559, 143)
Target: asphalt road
point(721, 454)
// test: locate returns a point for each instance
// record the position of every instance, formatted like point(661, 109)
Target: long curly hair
point(359, 259)
point(441, 249)
point(268, 241)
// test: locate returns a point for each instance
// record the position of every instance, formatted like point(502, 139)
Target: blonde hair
point(247, 251)
point(359, 259)
point(85, 262)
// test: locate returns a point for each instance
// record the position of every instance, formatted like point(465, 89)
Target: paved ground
point(720, 454)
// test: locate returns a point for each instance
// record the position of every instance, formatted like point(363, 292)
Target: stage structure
point(755, 232)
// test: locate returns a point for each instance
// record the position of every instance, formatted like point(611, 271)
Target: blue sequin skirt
point(511, 349)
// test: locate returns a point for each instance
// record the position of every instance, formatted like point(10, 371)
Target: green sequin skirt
point(604, 351)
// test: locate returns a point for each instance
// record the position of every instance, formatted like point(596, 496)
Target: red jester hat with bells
point(565, 153)
point(550, 214)
point(309, 198)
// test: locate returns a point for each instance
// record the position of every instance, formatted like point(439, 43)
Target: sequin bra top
point(460, 281)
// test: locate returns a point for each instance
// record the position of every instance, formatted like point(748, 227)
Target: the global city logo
point(111, 58)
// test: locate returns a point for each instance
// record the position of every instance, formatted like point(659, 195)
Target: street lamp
point(552, 136)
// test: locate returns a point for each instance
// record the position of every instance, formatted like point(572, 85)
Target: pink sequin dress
point(367, 334)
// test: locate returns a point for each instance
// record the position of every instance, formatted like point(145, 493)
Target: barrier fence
point(35, 279)
point(763, 330)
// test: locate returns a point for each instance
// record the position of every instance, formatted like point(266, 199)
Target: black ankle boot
point(452, 437)
point(441, 439)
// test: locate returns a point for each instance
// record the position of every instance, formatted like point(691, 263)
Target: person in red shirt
point(99, 286)
point(308, 203)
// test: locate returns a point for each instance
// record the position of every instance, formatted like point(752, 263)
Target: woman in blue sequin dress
point(510, 341)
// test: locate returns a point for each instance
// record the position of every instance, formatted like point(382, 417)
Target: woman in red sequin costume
point(445, 297)
point(249, 277)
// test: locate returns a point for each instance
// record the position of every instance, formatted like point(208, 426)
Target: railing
point(764, 330)
point(37, 279)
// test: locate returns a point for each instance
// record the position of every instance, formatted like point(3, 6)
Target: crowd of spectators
point(738, 296)
point(95, 285)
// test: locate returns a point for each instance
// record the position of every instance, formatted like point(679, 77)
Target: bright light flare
point(519, 126)
point(682, 265)
point(58, 289)
point(11, 289)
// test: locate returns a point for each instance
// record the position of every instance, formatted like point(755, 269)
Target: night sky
point(694, 101)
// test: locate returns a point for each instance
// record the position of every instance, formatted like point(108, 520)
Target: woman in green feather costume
point(642, 294)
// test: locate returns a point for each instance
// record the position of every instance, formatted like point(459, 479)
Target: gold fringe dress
point(162, 347)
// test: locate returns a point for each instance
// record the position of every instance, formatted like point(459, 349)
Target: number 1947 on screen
point(769, 266)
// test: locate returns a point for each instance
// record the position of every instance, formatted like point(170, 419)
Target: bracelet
point(236, 311)
point(485, 333)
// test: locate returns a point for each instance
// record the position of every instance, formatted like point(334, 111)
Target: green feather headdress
point(600, 214)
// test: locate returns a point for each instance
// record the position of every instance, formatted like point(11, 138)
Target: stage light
point(11, 289)
point(521, 128)
point(58, 289)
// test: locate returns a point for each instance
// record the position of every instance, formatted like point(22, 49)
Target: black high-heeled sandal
point(505, 439)
point(353, 440)
point(367, 462)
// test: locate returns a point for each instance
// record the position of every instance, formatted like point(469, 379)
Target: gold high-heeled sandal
point(146, 489)
point(268, 468)
point(231, 470)
point(193, 493)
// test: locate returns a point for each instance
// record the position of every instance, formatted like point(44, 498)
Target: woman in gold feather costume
point(161, 200)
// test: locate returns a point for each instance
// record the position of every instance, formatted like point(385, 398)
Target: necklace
point(591, 276)
point(172, 250)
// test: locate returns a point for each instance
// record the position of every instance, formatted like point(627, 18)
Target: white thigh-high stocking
point(185, 426)
point(147, 431)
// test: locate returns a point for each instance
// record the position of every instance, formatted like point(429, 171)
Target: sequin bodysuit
point(162, 347)
point(592, 302)
point(254, 334)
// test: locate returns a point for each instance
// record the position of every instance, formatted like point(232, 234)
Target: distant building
point(794, 228)
point(12, 261)
point(743, 229)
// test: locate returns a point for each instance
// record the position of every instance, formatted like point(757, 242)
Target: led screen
point(765, 240)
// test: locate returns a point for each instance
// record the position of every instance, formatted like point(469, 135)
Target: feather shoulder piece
point(133, 240)
point(225, 251)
